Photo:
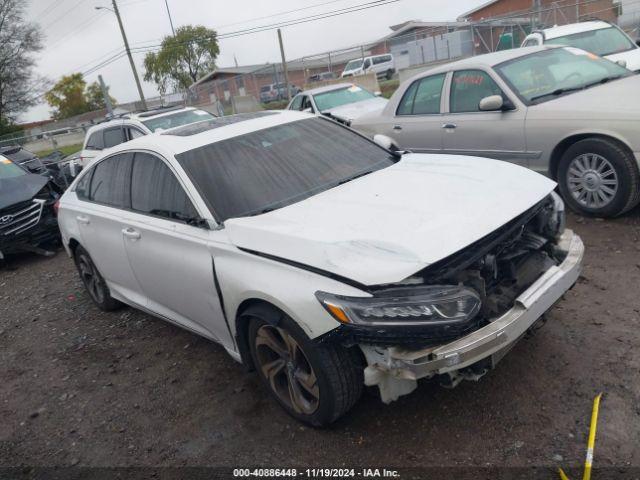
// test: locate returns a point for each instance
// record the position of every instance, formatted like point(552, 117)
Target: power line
point(66, 12)
point(49, 9)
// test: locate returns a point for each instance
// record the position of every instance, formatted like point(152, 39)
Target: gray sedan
point(561, 111)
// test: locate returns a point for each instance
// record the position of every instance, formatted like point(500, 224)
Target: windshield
point(545, 75)
point(605, 41)
point(272, 168)
point(343, 96)
point(8, 169)
point(353, 65)
point(177, 119)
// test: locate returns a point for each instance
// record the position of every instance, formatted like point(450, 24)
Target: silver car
point(561, 111)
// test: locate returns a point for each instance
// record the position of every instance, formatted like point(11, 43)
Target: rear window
point(178, 119)
point(272, 168)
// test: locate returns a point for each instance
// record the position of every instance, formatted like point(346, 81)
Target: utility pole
point(126, 46)
point(166, 2)
point(105, 94)
point(284, 66)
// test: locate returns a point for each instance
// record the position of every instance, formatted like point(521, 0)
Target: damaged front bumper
point(395, 370)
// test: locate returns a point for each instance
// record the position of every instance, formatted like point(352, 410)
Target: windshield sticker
point(583, 53)
point(355, 89)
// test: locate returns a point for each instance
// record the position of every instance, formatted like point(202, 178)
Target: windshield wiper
point(342, 182)
point(603, 81)
point(557, 92)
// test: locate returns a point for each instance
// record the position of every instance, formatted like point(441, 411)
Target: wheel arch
point(560, 149)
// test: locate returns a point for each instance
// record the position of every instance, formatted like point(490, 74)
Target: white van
point(381, 65)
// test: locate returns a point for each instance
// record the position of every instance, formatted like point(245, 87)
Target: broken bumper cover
point(495, 338)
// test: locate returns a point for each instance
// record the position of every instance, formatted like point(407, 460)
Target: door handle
point(397, 127)
point(449, 125)
point(83, 220)
point(131, 233)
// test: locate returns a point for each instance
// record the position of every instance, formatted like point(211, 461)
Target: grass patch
point(387, 88)
point(65, 150)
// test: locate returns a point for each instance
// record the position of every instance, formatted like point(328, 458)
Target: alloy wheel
point(287, 369)
point(592, 180)
point(91, 278)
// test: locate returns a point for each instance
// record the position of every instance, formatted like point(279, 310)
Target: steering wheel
point(577, 75)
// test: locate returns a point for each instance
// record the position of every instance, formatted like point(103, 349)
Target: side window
point(82, 188)
point(468, 88)
point(423, 96)
point(110, 181)
point(135, 133)
point(367, 64)
point(95, 141)
point(156, 191)
point(297, 103)
point(113, 137)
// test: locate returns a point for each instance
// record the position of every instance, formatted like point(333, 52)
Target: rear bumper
point(495, 338)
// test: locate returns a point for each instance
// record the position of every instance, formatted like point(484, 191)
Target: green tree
point(71, 96)
point(20, 87)
point(95, 99)
point(182, 58)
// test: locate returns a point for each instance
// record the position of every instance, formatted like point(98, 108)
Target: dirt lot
point(81, 387)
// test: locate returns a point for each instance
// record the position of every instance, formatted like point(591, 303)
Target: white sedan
point(319, 258)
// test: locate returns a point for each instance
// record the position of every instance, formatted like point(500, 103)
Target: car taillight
point(56, 207)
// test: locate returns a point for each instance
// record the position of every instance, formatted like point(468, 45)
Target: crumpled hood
point(20, 189)
point(351, 111)
point(384, 227)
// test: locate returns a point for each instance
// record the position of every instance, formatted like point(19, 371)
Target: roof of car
point(486, 60)
point(137, 116)
point(572, 28)
point(182, 139)
point(328, 88)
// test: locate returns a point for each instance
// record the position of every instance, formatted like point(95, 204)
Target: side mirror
point(491, 103)
point(385, 142)
point(622, 63)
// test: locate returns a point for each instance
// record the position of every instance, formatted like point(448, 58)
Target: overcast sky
point(78, 36)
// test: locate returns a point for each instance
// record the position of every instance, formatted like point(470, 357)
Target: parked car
point(27, 217)
point(128, 127)
point(561, 111)
point(276, 91)
point(319, 258)
point(601, 38)
point(343, 102)
point(321, 77)
point(381, 65)
point(48, 166)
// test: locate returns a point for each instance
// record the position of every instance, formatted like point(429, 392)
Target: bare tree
point(20, 87)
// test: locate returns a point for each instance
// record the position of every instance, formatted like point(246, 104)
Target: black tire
point(338, 372)
point(389, 74)
point(574, 180)
point(93, 281)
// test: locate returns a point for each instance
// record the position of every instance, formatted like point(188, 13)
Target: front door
point(417, 124)
point(469, 131)
point(169, 253)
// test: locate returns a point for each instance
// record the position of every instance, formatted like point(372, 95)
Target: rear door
point(169, 252)
point(417, 124)
point(102, 200)
point(469, 131)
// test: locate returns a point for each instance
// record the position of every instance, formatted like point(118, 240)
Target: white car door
point(171, 258)
point(102, 196)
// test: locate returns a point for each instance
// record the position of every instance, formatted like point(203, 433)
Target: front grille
point(18, 219)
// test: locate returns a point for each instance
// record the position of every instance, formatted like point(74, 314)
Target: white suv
point(381, 65)
point(601, 38)
point(319, 258)
point(123, 129)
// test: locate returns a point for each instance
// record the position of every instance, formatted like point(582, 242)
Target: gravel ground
point(82, 387)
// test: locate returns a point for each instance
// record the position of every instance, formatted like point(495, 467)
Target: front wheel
point(598, 177)
point(313, 383)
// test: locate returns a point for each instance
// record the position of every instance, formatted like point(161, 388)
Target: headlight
point(440, 304)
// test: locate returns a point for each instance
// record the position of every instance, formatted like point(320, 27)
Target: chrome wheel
point(91, 278)
point(592, 180)
point(287, 369)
